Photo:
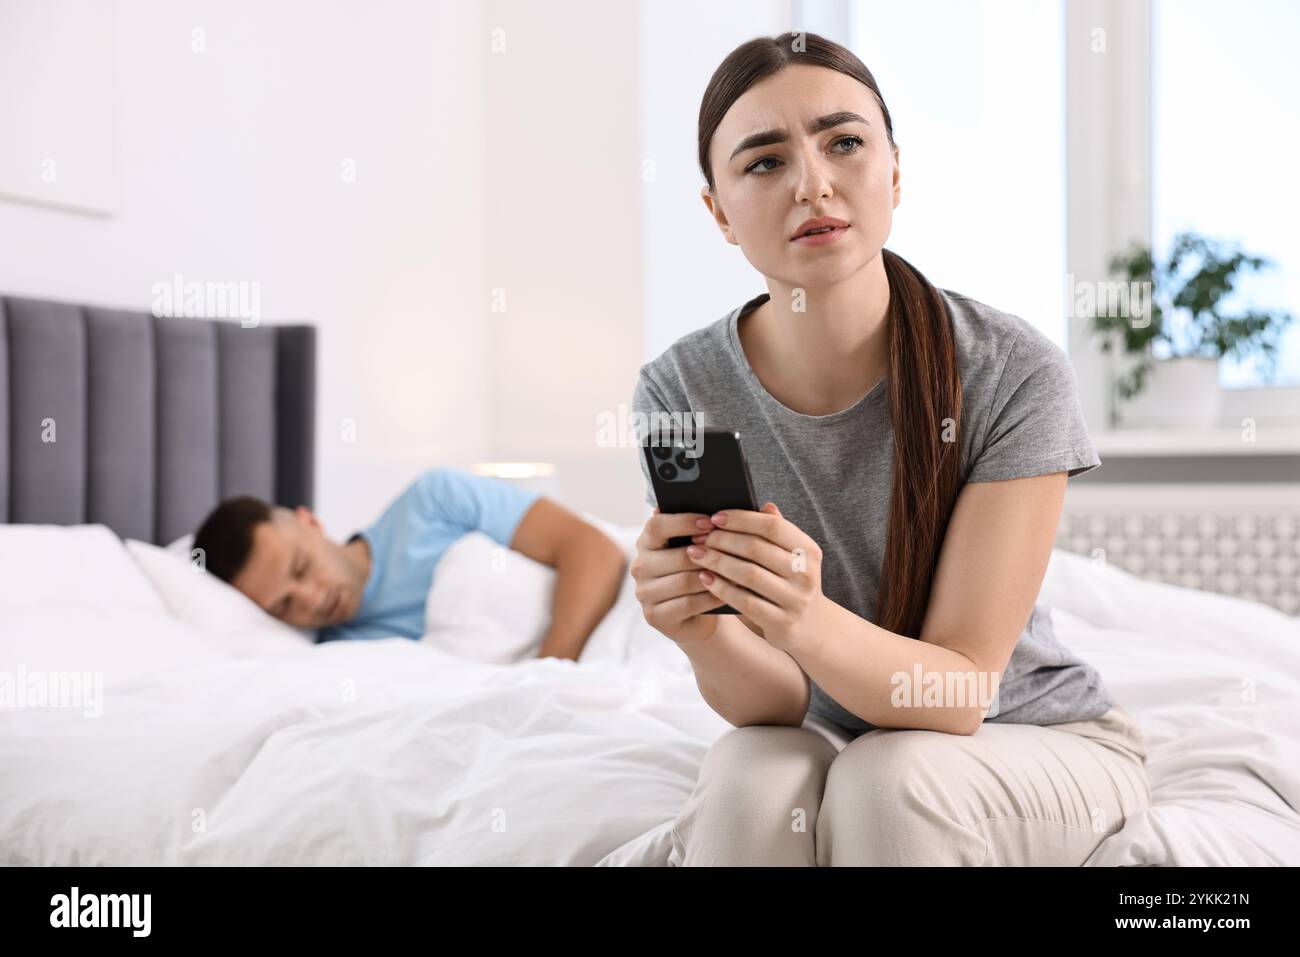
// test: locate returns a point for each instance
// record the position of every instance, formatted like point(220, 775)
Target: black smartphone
point(701, 471)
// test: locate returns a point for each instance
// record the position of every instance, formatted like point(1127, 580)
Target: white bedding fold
point(377, 752)
point(395, 752)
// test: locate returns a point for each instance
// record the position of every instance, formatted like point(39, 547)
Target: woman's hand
point(766, 568)
point(673, 599)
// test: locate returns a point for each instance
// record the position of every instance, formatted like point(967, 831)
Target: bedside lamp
point(534, 476)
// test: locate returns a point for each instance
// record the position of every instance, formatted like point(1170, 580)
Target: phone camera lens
point(662, 453)
point(667, 472)
point(684, 461)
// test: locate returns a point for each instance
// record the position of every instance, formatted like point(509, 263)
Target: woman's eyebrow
point(768, 137)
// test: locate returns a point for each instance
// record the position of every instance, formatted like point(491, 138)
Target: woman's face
point(766, 191)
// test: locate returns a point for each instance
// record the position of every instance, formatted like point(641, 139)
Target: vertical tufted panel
point(4, 414)
point(295, 403)
point(47, 389)
point(246, 397)
point(121, 426)
point(156, 420)
point(186, 353)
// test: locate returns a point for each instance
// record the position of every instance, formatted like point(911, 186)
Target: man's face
point(298, 575)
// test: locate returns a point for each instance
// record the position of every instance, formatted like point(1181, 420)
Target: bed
point(203, 732)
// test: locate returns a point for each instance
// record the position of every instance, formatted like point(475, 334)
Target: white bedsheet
point(385, 752)
point(394, 752)
point(1215, 683)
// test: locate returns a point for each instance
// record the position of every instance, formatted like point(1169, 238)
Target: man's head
point(281, 559)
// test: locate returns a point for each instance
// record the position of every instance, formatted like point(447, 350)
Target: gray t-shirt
point(831, 474)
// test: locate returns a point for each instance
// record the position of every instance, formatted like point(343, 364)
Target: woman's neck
point(824, 359)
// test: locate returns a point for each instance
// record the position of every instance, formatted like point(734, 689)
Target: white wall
point(602, 264)
point(692, 275)
point(58, 135)
point(229, 165)
point(498, 148)
point(979, 118)
point(563, 243)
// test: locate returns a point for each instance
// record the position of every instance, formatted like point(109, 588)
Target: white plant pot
point(1179, 393)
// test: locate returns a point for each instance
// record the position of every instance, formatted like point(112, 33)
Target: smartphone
point(704, 471)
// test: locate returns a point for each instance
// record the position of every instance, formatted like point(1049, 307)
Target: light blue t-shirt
point(439, 507)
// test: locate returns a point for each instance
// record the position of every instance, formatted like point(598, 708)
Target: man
point(375, 585)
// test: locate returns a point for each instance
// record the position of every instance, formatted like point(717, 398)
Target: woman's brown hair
point(925, 400)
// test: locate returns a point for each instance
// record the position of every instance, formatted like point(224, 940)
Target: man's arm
point(589, 567)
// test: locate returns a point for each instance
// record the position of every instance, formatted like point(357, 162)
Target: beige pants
point(1014, 794)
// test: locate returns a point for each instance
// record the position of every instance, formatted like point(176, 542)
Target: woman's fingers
point(661, 527)
point(769, 525)
point(751, 563)
point(655, 590)
point(658, 562)
point(754, 607)
point(746, 574)
point(671, 613)
point(755, 549)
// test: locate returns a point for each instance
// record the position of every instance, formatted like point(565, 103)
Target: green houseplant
point(1183, 307)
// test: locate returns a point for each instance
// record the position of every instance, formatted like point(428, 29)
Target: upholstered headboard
point(144, 424)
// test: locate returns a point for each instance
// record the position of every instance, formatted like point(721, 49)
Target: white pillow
point(490, 603)
point(182, 546)
point(111, 643)
point(74, 603)
point(222, 613)
point(487, 602)
point(47, 565)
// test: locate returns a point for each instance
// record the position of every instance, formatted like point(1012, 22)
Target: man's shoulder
point(435, 482)
point(412, 500)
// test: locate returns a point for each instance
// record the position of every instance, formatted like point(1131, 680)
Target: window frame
point(1108, 100)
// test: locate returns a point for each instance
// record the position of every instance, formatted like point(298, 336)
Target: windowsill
point(1227, 441)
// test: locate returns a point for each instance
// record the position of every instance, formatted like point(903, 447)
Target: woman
point(898, 695)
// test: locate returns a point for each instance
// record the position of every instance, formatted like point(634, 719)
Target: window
point(1225, 144)
point(978, 107)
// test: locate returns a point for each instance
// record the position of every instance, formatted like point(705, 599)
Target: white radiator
point(1241, 540)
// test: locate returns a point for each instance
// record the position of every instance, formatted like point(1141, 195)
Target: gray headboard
point(144, 424)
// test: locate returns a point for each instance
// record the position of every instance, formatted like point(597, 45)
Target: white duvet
point(1215, 684)
point(394, 752)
